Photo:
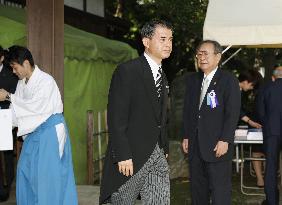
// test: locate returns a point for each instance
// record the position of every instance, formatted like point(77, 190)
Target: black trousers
point(272, 150)
point(210, 181)
point(8, 176)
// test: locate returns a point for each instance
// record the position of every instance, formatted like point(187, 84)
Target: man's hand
point(185, 145)
point(254, 124)
point(126, 167)
point(3, 94)
point(221, 148)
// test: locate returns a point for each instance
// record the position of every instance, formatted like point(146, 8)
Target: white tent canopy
point(244, 22)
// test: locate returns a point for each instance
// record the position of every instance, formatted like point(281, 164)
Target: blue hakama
point(43, 177)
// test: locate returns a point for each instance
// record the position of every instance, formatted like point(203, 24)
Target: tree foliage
point(187, 17)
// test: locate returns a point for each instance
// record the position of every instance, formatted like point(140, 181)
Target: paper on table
point(6, 136)
point(241, 132)
point(255, 134)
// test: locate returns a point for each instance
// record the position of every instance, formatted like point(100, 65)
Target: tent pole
point(231, 56)
point(226, 49)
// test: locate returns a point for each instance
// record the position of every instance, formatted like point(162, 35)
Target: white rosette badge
point(212, 99)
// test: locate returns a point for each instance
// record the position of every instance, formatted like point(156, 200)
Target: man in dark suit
point(8, 81)
point(269, 109)
point(211, 112)
point(135, 161)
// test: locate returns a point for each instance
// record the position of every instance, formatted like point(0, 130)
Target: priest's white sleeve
point(40, 101)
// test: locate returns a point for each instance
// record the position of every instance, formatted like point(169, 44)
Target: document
point(241, 132)
point(255, 134)
point(6, 136)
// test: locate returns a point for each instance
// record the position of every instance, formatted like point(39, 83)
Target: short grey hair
point(216, 45)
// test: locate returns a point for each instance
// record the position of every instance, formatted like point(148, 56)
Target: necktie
point(159, 82)
point(204, 88)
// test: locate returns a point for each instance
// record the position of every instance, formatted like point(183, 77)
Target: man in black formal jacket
point(269, 109)
point(8, 81)
point(211, 112)
point(135, 161)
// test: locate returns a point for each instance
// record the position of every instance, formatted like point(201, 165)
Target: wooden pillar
point(90, 149)
point(45, 28)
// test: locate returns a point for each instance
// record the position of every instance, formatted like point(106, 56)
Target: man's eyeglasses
point(204, 54)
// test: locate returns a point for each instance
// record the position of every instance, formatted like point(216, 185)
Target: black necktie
point(159, 82)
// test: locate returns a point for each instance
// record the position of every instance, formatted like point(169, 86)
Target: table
point(241, 159)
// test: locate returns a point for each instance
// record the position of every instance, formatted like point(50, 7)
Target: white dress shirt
point(209, 76)
point(153, 65)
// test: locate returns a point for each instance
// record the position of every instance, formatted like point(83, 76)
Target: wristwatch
point(8, 97)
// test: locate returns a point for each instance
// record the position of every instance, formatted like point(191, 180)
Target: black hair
point(4, 52)
point(18, 54)
point(149, 28)
point(252, 76)
point(1, 51)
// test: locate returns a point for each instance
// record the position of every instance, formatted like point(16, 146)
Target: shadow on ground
point(180, 194)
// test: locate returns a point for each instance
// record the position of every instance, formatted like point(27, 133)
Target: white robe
point(33, 103)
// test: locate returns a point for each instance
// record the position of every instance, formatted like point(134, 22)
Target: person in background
point(269, 109)
point(249, 80)
point(8, 81)
point(211, 113)
point(44, 171)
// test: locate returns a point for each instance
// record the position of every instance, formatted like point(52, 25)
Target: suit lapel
point(212, 85)
point(165, 91)
point(198, 85)
point(150, 86)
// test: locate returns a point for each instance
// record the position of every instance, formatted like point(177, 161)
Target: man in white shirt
point(45, 171)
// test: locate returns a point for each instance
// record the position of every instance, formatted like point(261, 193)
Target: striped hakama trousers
point(151, 182)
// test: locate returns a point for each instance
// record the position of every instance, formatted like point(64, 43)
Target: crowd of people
point(136, 157)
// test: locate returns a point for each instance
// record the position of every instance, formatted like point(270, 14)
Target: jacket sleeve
point(118, 114)
point(242, 113)
point(184, 128)
point(260, 107)
point(166, 146)
point(232, 104)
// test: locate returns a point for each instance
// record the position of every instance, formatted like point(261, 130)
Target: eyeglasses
point(204, 54)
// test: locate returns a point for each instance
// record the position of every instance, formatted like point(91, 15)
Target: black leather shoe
point(4, 195)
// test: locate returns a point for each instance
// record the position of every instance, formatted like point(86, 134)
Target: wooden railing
point(95, 139)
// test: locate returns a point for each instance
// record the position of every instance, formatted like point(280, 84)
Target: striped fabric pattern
point(159, 82)
point(151, 182)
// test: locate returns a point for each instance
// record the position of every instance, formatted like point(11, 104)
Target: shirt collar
point(1, 67)
point(153, 65)
point(33, 75)
point(151, 62)
point(210, 75)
